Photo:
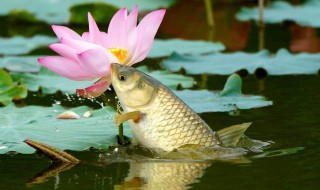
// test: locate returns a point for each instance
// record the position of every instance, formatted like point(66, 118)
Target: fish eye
point(122, 77)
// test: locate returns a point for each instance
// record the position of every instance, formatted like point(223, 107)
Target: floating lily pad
point(21, 45)
point(163, 48)
point(279, 11)
point(21, 64)
point(282, 63)
point(57, 11)
point(160, 48)
point(40, 124)
point(10, 90)
point(229, 99)
point(51, 82)
point(169, 79)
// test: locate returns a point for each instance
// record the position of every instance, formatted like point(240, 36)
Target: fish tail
point(230, 136)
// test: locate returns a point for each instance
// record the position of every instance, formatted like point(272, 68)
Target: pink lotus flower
point(89, 56)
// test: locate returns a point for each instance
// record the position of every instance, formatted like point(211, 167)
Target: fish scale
point(172, 124)
point(161, 121)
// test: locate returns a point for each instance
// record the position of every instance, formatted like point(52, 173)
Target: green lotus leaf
point(229, 99)
point(22, 45)
point(164, 48)
point(282, 63)
point(21, 64)
point(57, 11)
point(9, 90)
point(169, 79)
point(280, 11)
point(40, 124)
point(160, 48)
point(51, 82)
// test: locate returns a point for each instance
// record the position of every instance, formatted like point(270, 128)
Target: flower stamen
point(120, 53)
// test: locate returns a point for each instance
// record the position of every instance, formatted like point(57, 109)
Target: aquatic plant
point(89, 56)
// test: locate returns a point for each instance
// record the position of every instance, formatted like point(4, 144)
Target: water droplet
point(87, 114)
point(3, 147)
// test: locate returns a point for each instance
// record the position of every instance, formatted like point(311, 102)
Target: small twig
point(51, 152)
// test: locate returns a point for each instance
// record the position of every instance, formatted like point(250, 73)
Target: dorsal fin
point(230, 136)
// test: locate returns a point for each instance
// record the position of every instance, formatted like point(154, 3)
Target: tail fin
point(230, 136)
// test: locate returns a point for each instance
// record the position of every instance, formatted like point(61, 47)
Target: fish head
point(133, 88)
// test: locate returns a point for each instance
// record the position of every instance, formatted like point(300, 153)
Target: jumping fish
point(161, 121)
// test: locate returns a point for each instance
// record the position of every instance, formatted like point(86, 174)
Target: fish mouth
point(114, 68)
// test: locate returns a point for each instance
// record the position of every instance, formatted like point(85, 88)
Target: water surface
point(292, 123)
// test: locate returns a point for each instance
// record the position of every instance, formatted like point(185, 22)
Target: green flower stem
point(261, 25)
point(121, 137)
point(261, 4)
point(210, 13)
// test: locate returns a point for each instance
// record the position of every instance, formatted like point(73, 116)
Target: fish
point(163, 175)
point(160, 120)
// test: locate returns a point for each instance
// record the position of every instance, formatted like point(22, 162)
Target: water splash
point(280, 152)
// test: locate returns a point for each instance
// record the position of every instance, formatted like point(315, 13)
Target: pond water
point(292, 123)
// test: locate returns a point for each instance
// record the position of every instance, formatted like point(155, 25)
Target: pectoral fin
point(230, 136)
point(121, 118)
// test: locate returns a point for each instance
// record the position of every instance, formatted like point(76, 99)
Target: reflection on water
point(163, 175)
point(135, 169)
point(180, 170)
point(149, 174)
point(51, 171)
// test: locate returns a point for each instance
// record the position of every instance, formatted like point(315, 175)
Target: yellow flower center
point(120, 53)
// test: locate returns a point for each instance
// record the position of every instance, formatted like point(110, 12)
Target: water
point(292, 123)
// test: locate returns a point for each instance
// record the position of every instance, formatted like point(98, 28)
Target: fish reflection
point(163, 175)
point(178, 169)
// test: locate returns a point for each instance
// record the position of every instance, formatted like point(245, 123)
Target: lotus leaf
point(9, 90)
point(57, 11)
point(280, 11)
point(164, 48)
point(229, 99)
point(40, 124)
point(21, 45)
point(21, 64)
point(51, 82)
point(160, 48)
point(282, 63)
